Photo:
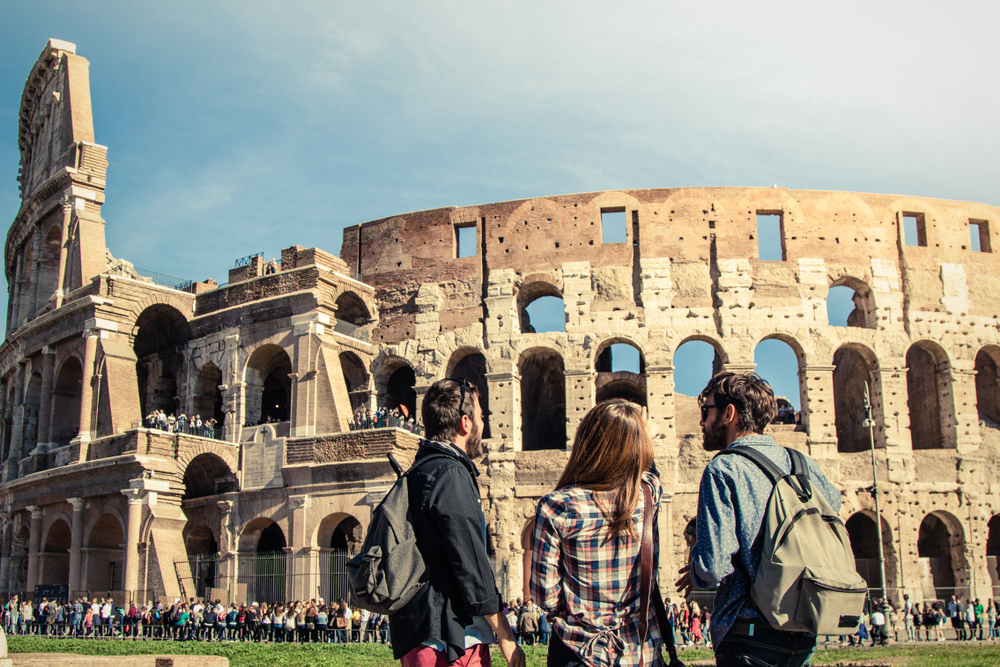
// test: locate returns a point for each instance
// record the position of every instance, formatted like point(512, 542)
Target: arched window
point(66, 394)
point(864, 543)
point(471, 365)
point(355, 378)
point(777, 362)
point(268, 579)
point(32, 406)
point(161, 333)
point(208, 475)
point(993, 550)
point(928, 390)
point(621, 371)
point(541, 308)
point(988, 384)
point(851, 375)
point(104, 554)
point(695, 363)
point(941, 548)
point(543, 400)
point(399, 391)
point(208, 401)
point(849, 303)
point(55, 563)
point(268, 387)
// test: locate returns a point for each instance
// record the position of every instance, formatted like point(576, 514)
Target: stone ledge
point(73, 660)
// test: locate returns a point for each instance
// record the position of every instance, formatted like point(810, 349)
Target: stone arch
point(159, 336)
point(268, 390)
point(470, 363)
point(341, 531)
point(229, 454)
point(865, 313)
point(783, 378)
point(854, 366)
point(543, 399)
point(251, 531)
point(864, 544)
point(988, 384)
point(355, 378)
point(610, 383)
point(48, 265)
point(104, 553)
point(929, 396)
point(207, 401)
point(200, 540)
point(352, 309)
point(207, 474)
point(721, 355)
point(530, 293)
point(54, 559)
point(941, 554)
point(268, 560)
point(67, 390)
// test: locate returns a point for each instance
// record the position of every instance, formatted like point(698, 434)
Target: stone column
point(581, 396)
point(94, 329)
point(226, 572)
point(232, 389)
point(15, 315)
point(818, 410)
point(963, 396)
point(660, 406)
point(36, 260)
point(421, 391)
point(45, 402)
point(64, 249)
point(5, 549)
point(76, 544)
point(34, 546)
point(135, 498)
point(303, 410)
point(505, 410)
point(17, 430)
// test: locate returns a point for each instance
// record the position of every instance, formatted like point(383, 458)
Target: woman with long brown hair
point(587, 541)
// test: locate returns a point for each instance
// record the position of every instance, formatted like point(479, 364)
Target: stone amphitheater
point(94, 502)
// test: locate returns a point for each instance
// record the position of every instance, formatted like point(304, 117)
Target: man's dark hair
point(440, 409)
point(749, 393)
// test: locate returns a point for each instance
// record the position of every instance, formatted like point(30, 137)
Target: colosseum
point(266, 505)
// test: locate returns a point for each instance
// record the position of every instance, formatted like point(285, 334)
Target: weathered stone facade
point(90, 350)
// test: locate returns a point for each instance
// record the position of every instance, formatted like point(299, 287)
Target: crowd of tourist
point(197, 620)
point(181, 423)
point(383, 418)
point(336, 622)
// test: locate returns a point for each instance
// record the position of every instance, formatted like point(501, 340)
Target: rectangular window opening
point(914, 230)
point(465, 240)
point(770, 236)
point(613, 225)
point(979, 230)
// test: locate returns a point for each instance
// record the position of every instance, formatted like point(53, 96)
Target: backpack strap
point(798, 477)
point(766, 465)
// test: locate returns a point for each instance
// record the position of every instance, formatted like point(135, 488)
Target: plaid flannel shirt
point(590, 584)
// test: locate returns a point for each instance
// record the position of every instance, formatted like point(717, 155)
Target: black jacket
point(447, 516)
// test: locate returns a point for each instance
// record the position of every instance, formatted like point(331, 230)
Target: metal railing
point(245, 261)
point(359, 423)
point(163, 279)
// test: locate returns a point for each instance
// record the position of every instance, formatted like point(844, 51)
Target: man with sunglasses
point(455, 618)
point(732, 499)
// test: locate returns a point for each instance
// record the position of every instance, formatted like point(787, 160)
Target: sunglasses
point(461, 401)
point(705, 409)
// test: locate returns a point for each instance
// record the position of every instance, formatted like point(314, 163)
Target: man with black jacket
point(458, 614)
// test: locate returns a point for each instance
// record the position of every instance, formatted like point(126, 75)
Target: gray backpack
point(389, 570)
point(807, 580)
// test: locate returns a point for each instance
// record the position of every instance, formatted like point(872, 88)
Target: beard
point(715, 437)
point(474, 445)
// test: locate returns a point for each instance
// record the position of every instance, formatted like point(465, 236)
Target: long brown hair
point(611, 450)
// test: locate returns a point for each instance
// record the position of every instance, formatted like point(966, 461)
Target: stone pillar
point(660, 407)
point(668, 562)
point(36, 260)
point(963, 399)
point(303, 404)
point(64, 249)
point(818, 410)
point(45, 402)
point(17, 429)
point(421, 391)
point(6, 547)
point(232, 388)
point(76, 544)
point(505, 409)
point(135, 498)
point(15, 313)
point(226, 573)
point(94, 329)
point(34, 546)
point(581, 396)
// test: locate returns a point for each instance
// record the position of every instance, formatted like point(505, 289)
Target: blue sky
point(243, 127)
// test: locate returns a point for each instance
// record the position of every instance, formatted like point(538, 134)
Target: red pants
point(425, 656)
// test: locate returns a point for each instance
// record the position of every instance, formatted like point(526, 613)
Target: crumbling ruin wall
point(688, 269)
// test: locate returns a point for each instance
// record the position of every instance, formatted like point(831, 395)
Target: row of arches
point(849, 303)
